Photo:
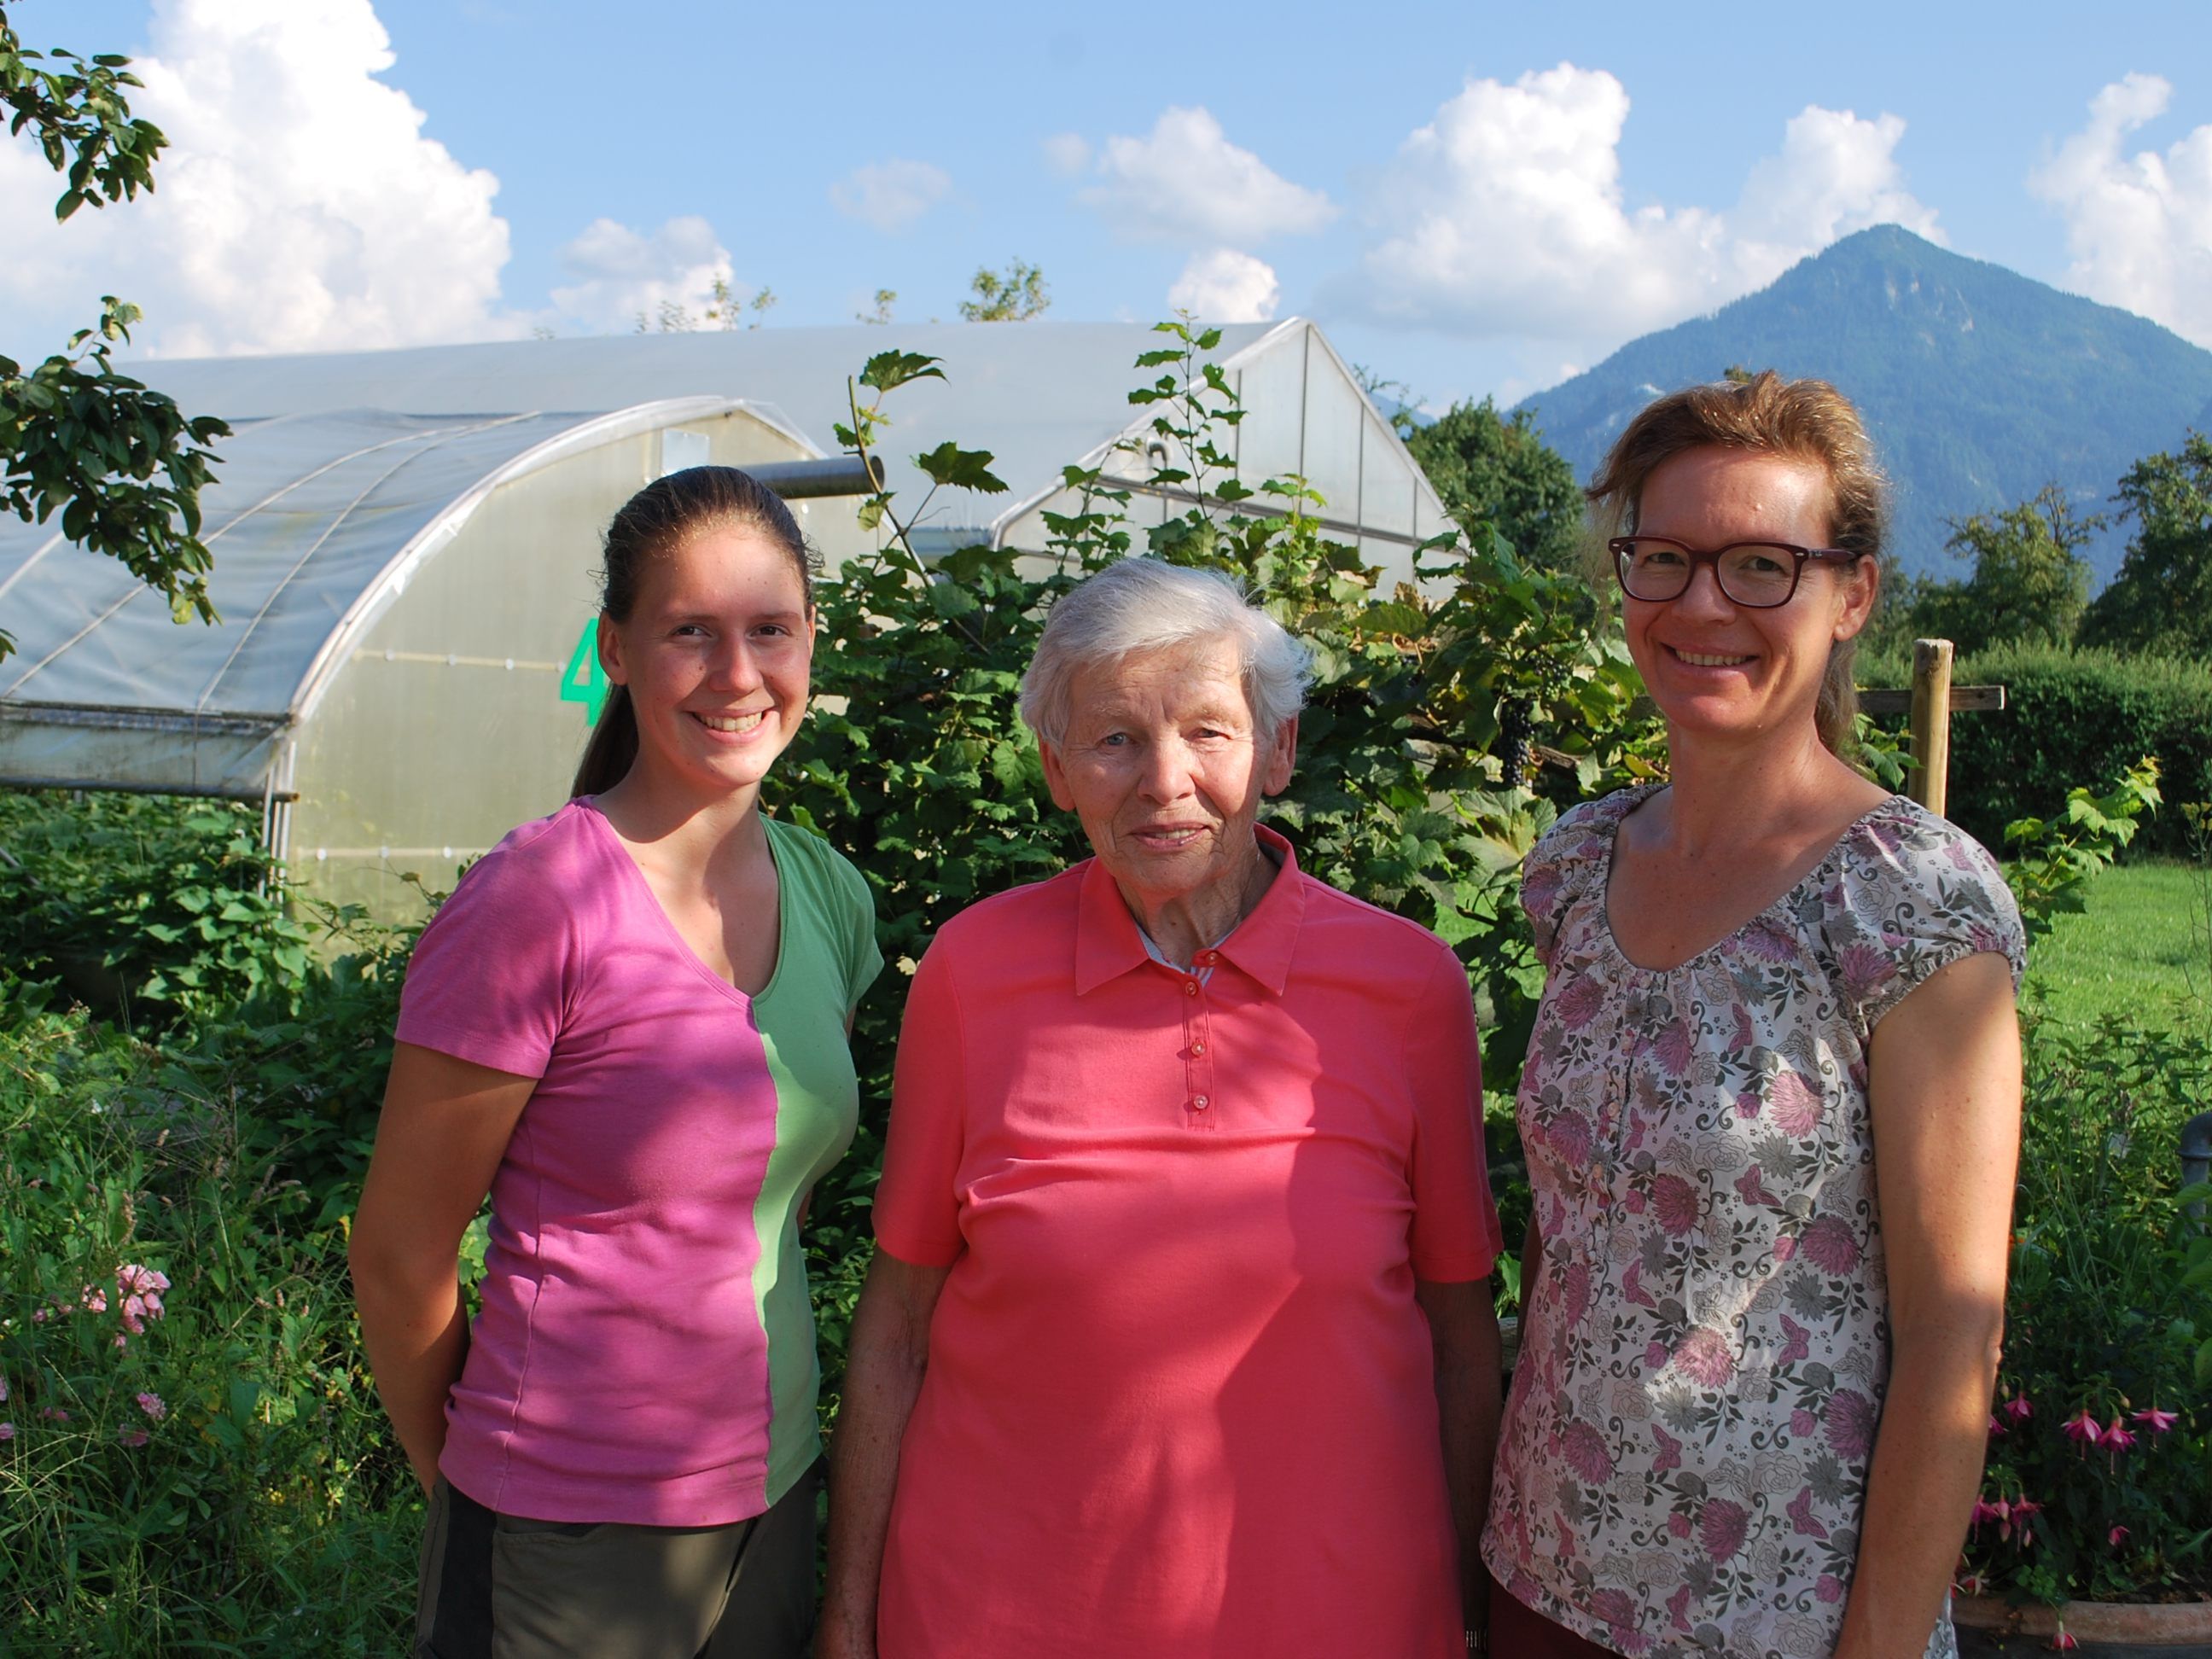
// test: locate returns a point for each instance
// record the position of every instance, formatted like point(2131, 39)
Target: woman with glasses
point(1771, 1106)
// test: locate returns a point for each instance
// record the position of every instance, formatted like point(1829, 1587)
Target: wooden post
point(1931, 723)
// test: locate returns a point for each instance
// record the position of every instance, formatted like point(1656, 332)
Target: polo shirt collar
point(1108, 944)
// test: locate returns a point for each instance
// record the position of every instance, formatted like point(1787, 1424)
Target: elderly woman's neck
point(1184, 924)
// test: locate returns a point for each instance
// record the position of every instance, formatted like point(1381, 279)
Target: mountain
point(1980, 385)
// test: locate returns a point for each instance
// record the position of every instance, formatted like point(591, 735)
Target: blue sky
point(1470, 198)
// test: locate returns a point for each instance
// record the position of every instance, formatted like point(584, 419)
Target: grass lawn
point(2140, 950)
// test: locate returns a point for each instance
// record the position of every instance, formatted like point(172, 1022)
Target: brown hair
point(1803, 419)
point(652, 524)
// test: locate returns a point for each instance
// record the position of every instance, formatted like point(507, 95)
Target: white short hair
point(1143, 604)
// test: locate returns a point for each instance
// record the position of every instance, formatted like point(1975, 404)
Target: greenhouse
point(406, 544)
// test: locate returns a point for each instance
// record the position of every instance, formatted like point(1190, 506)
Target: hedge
point(2073, 717)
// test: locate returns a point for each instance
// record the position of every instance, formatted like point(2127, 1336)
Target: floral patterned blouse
point(1706, 1345)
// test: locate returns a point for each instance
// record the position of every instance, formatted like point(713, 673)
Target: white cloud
point(622, 274)
point(1067, 153)
point(300, 206)
point(2139, 226)
point(891, 195)
point(1186, 182)
point(1225, 286)
point(1504, 215)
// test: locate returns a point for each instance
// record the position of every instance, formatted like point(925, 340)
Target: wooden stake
point(1931, 723)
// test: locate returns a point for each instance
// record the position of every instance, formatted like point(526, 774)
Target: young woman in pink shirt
point(627, 1026)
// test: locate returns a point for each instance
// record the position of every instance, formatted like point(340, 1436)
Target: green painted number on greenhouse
point(584, 681)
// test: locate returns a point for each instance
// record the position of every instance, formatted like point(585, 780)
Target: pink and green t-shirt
point(645, 1351)
point(1180, 1400)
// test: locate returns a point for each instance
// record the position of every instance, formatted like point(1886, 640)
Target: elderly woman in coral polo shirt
point(1178, 1340)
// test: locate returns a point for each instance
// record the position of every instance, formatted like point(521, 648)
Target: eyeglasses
point(1758, 575)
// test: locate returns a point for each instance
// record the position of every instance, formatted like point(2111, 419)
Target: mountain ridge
point(1979, 385)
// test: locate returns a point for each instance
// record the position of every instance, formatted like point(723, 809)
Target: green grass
point(2139, 951)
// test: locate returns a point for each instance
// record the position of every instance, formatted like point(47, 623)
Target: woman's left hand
point(1944, 1087)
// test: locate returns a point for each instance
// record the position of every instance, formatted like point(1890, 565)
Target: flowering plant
point(2099, 1480)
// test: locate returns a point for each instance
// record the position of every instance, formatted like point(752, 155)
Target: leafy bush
point(2071, 715)
point(193, 1458)
point(2098, 1484)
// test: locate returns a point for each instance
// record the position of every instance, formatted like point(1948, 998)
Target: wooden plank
point(1931, 723)
point(1965, 699)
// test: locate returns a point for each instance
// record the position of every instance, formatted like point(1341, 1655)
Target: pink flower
point(1795, 1103)
point(151, 1404)
point(1803, 1422)
point(1679, 1524)
point(133, 1438)
point(121, 1340)
point(1999, 1512)
point(52, 1414)
point(2156, 1421)
point(2018, 1408)
point(2116, 1438)
point(1721, 1527)
point(2118, 1536)
point(2023, 1507)
point(40, 1315)
point(2064, 1640)
point(1673, 1047)
point(1586, 1454)
point(4, 1390)
point(7, 1431)
point(1995, 1427)
point(1569, 1135)
point(1675, 1201)
point(1614, 1606)
point(2082, 1427)
point(1850, 1418)
point(1864, 969)
point(1829, 1245)
point(132, 1280)
point(1703, 1356)
point(1830, 1589)
point(1654, 1356)
point(1967, 1584)
point(94, 1299)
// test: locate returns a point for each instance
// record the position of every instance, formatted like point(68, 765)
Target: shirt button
point(1197, 1048)
point(1190, 987)
point(1199, 1103)
point(1205, 958)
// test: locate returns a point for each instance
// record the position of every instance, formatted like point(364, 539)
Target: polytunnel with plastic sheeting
point(406, 546)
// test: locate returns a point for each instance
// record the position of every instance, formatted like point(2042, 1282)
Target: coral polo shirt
point(1179, 1400)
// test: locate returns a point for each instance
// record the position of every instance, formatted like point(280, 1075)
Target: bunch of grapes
point(1516, 732)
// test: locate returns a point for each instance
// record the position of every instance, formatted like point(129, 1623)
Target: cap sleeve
point(1914, 894)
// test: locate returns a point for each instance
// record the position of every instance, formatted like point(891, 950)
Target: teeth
point(738, 723)
point(1697, 661)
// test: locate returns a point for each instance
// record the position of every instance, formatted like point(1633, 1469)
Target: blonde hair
point(1802, 420)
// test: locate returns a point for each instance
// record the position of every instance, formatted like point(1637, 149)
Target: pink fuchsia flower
point(1995, 1428)
point(1967, 1584)
point(2156, 1421)
point(2023, 1508)
point(2017, 1409)
point(152, 1404)
point(2082, 1427)
point(2118, 1536)
point(2064, 1641)
point(2116, 1438)
point(2000, 1512)
point(133, 1438)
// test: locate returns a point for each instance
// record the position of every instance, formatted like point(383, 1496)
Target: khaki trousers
point(501, 1587)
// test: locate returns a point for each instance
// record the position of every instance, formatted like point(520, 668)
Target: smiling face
point(1721, 670)
point(1162, 764)
point(715, 653)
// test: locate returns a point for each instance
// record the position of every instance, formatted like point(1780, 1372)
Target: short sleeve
point(917, 1213)
point(1916, 894)
point(1455, 1233)
point(490, 979)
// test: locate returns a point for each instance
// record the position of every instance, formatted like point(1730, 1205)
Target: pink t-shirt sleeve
point(492, 974)
point(917, 1214)
point(1455, 1235)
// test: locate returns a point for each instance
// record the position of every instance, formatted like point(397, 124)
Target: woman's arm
point(888, 1352)
point(1945, 1090)
point(1463, 1326)
point(445, 1128)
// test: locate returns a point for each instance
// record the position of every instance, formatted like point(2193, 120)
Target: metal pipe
point(2196, 1157)
point(833, 475)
